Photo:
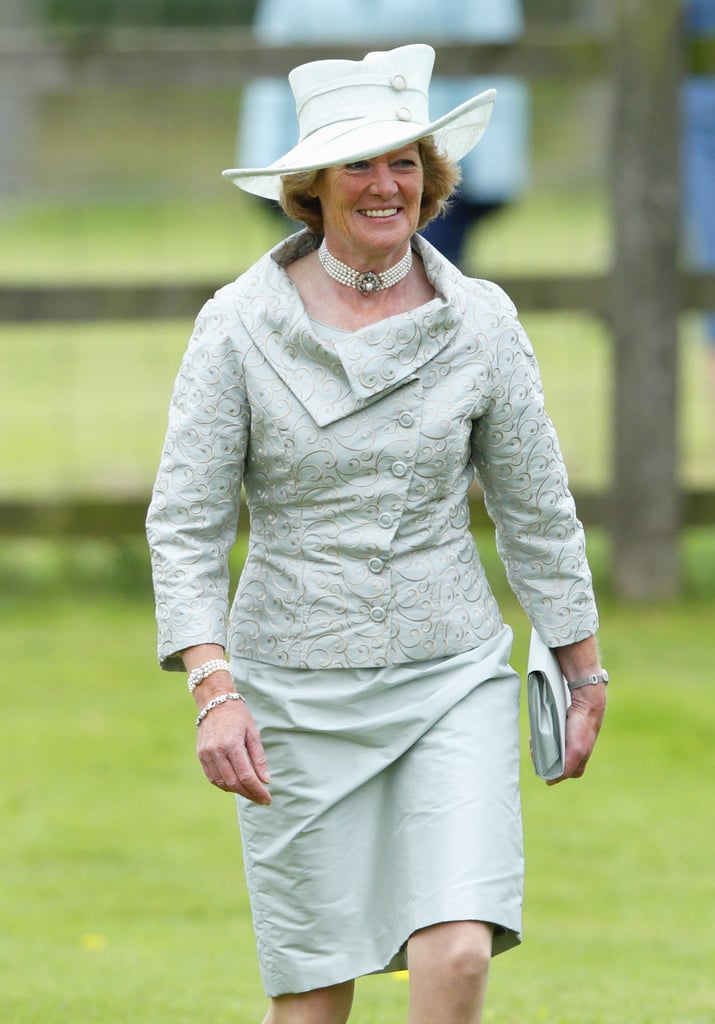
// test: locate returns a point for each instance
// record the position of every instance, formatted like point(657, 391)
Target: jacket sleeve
point(519, 464)
point(193, 515)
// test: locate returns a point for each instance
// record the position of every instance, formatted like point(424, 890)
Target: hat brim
point(455, 134)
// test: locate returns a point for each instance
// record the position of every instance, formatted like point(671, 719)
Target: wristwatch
point(597, 677)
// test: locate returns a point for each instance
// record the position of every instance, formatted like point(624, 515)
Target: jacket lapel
point(363, 367)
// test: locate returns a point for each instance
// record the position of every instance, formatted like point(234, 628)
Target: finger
point(243, 779)
point(221, 771)
point(576, 773)
point(577, 756)
point(212, 771)
point(257, 755)
point(580, 740)
point(233, 772)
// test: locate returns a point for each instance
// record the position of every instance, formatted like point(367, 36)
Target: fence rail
point(117, 518)
point(165, 301)
point(183, 57)
point(180, 57)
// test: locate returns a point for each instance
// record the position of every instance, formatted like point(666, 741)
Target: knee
point(467, 954)
point(460, 950)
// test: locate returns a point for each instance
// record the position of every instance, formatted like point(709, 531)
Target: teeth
point(380, 213)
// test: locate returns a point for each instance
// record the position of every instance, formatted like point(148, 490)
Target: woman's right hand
point(231, 752)
point(229, 741)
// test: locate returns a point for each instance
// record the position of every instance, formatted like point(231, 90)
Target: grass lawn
point(123, 897)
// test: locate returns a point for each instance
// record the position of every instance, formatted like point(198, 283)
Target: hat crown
point(385, 86)
point(352, 110)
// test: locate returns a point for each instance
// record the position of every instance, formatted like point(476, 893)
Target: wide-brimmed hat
point(351, 110)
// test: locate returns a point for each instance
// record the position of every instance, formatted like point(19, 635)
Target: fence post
point(16, 106)
point(644, 297)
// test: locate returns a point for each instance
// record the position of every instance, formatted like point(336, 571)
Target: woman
point(356, 383)
point(698, 162)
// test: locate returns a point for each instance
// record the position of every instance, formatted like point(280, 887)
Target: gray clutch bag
point(548, 699)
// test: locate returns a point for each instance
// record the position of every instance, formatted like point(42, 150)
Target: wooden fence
point(644, 58)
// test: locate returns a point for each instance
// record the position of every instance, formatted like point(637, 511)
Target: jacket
point(357, 458)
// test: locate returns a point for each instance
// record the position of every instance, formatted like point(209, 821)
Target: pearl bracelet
point(215, 703)
point(197, 675)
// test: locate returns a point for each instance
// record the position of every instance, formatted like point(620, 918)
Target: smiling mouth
point(377, 214)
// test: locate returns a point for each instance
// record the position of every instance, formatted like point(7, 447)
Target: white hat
point(351, 110)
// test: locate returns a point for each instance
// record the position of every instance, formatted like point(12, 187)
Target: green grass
point(122, 891)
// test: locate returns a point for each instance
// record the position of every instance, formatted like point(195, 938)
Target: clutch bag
point(548, 699)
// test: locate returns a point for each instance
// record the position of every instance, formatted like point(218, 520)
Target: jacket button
point(376, 565)
point(406, 419)
point(385, 520)
point(378, 614)
point(399, 469)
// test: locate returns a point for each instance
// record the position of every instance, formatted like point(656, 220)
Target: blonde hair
point(441, 178)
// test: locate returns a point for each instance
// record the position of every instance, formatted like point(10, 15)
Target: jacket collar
point(367, 364)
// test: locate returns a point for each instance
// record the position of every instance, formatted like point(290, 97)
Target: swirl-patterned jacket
point(356, 458)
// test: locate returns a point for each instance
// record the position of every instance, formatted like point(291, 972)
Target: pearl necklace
point(367, 282)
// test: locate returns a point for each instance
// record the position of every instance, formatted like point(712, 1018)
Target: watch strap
point(592, 680)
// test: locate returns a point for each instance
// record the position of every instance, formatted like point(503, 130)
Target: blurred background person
point(495, 175)
point(698, 166)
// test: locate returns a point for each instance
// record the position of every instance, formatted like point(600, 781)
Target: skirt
point(395, 806)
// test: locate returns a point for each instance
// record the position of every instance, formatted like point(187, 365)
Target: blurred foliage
point(115, 13)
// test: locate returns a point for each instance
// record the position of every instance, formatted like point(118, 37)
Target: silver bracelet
point(215, 703)
point(197, 675)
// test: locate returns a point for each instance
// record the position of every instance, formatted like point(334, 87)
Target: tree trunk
point(17, 107)
point(645, 190)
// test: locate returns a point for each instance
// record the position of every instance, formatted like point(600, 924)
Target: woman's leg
point(449, 967)
point(322, 1006)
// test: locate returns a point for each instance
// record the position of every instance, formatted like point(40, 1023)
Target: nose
point(383, 182)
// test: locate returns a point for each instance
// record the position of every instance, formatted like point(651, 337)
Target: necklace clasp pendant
point(367, 283)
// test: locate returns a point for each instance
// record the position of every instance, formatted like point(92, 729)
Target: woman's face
point(372, 207)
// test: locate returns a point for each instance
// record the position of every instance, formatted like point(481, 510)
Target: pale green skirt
point(395, 806)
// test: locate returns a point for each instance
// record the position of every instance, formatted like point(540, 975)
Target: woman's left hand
point(588, 706)
point(583, 723)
